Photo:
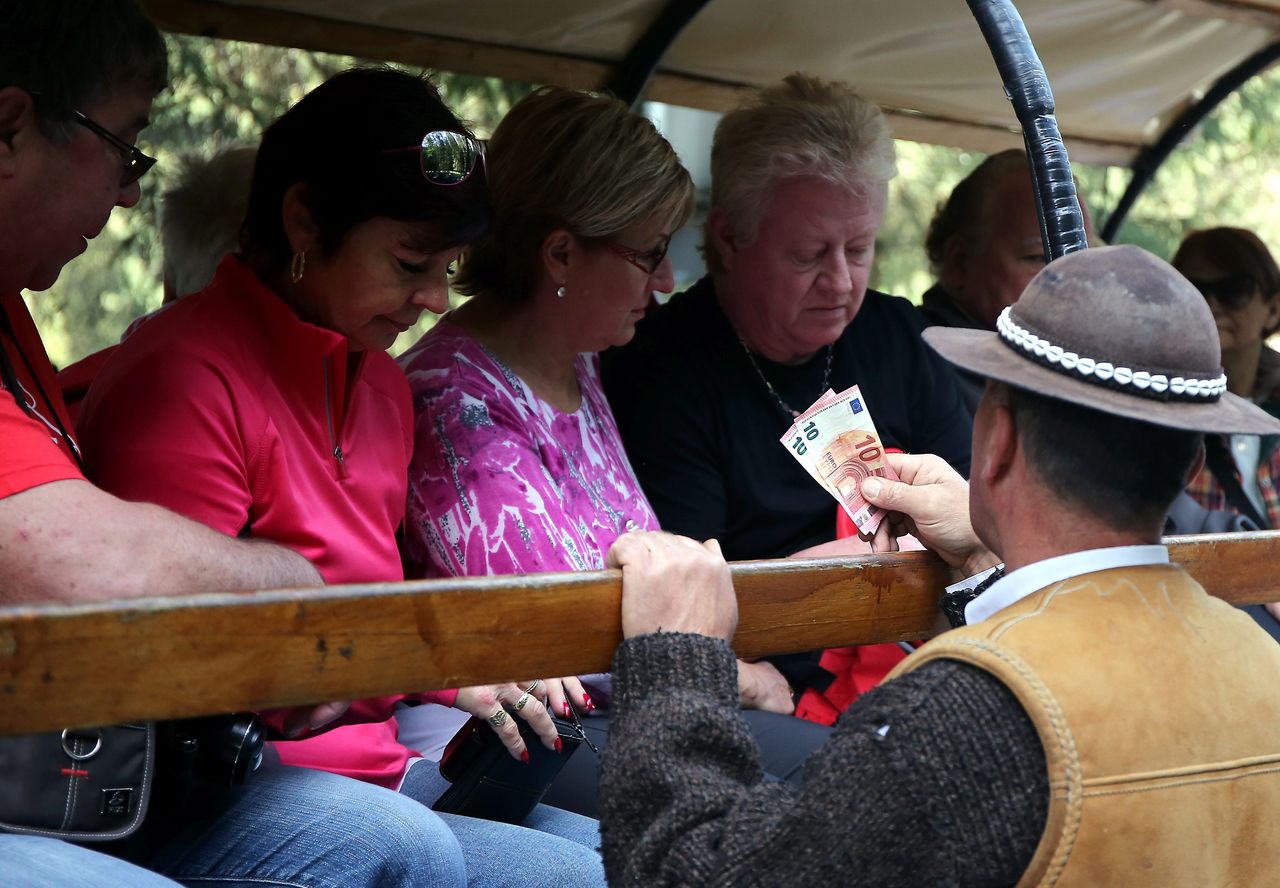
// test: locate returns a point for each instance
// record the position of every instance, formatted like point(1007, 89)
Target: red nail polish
point(524, 756)
point(586, 701)
point(559, 745)
point(566, 709)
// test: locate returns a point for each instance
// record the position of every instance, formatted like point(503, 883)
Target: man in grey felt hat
point(1095, 717)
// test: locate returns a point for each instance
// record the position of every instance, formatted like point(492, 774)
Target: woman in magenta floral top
point(518, 467)
point(511, 485)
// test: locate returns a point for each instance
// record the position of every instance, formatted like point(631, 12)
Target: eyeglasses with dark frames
point(647, 261)
point(136, 163)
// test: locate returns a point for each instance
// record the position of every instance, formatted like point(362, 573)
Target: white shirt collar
point(1024, 581)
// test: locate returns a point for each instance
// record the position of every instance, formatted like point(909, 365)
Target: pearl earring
point(560, 292)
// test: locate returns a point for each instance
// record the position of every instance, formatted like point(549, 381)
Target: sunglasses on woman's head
point(1232, 292)
point(446, 158)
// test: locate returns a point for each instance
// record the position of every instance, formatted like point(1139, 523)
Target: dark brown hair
point(1235, 251)
point(341, 140)
point(75, 52)
point(1124, 471)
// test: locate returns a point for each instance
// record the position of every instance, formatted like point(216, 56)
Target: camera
point(220, 750)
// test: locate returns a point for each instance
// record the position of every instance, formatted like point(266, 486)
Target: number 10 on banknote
point(837, 443)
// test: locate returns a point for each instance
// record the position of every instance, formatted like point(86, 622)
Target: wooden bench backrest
point(65, 666)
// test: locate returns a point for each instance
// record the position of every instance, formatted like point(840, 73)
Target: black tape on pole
point(1027, 86)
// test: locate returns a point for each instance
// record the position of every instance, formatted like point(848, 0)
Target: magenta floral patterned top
point(502, 482)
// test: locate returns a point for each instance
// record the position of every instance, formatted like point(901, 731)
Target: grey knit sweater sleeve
point(936, 778)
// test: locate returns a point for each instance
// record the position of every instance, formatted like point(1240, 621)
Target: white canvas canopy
point(1121, 70)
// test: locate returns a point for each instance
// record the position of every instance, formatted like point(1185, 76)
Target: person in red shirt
point(77, 79)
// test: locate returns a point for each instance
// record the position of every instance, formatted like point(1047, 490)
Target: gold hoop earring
point(298, 266)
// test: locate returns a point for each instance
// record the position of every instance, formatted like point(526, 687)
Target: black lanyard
point(15, 387)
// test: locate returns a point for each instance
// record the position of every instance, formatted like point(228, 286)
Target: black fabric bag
point(85, 785)
point(488, 783)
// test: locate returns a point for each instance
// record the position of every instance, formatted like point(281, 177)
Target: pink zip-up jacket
point(230, 410)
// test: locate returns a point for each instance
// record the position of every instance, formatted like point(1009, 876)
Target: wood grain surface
point(63, 666)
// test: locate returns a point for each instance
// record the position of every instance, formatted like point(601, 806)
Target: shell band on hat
point(1143, 383)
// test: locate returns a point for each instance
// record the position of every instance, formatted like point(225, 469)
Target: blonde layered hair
point(801, 127)
point(201, 215)
point(573, 160)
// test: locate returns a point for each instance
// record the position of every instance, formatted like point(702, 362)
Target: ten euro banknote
point(837, 443)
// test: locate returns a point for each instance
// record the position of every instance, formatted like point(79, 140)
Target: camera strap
point(18, 390)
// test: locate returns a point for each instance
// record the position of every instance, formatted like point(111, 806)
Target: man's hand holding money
point(931, 502)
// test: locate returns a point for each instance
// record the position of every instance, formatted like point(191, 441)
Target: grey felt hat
point(1118, 330)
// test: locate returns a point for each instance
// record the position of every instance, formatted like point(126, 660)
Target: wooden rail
point(63, 666)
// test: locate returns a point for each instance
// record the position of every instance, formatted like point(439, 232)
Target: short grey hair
point(201, 215)
point(804, 126)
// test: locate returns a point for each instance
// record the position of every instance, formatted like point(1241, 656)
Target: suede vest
point(1159, 710)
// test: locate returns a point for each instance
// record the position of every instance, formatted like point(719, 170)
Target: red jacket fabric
point(229, 409)
point(32, 451)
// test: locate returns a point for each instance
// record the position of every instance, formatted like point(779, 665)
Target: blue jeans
point(551, 848)
point(301, 828)
point(36, 862)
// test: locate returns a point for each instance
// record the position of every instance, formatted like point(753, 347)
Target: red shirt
point(229, 409)
point(32, 448)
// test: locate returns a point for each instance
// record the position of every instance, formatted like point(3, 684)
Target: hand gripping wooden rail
point(64, 666)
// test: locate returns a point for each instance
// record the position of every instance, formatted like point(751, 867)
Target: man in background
point(985, 246)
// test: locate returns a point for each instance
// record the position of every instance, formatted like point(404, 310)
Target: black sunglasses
point(136, 163)
point(1232, 292)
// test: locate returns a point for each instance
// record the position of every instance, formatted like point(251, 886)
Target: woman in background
point(1239, 278)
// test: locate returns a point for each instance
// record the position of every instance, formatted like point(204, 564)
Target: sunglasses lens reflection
point(448, 157)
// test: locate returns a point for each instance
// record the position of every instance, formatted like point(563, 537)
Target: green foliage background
point(224, 92)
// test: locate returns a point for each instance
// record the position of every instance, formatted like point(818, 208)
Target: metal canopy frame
point(633, 73)
point(1027, 86)
point(1025, 83)
point(1020, 71)
point(1148, 163)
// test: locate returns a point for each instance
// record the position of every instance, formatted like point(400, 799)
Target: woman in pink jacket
point(266, 406)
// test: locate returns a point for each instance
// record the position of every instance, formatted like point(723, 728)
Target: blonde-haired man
point(800, 177)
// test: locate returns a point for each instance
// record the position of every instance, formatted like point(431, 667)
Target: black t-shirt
point(702, 430)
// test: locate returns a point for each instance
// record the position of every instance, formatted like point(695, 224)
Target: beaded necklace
point(791, 411)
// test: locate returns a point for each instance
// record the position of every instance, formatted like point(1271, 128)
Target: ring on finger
point(499, 718)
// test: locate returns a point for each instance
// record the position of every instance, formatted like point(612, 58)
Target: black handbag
point(96, 784)
point(488, 783)
point(86, 785)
